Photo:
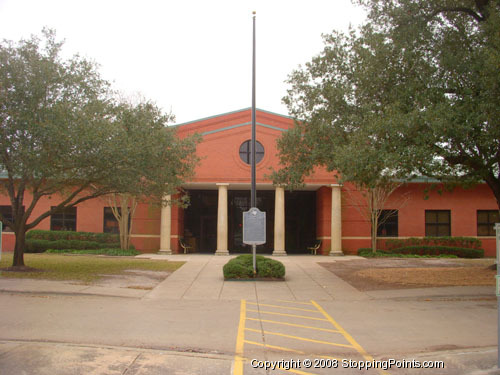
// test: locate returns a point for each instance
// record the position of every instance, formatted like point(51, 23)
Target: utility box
point(254, 227)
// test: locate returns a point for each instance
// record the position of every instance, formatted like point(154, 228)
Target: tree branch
point(469, 11)
point(68, 204)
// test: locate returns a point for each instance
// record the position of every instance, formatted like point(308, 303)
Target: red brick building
point(322, 210)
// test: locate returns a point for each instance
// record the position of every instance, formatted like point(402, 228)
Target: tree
point(451, 126)
point(342, 104)
point(58, 134)
point(156, 160)
point(415, 90)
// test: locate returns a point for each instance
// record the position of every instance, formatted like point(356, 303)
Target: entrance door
point(208, 233)
point(239, 202)
point(200, 220)
point(300, 221)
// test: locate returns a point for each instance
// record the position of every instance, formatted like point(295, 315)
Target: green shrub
point(427, 251)
point(241, 267)
point(110, 251)
point(367, 253)
point(39, 246)
point(457, 242)
point(437, 250)
point(54, 235)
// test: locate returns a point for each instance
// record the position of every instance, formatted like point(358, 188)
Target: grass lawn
point(84, 268)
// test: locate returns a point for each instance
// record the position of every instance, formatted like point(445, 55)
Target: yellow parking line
point(297, 302)
point(283, 314)
point(274, 347)
point(330, 357)
point(283, 307)
point(299, 338)
point(296, 371)
point(240, 340)
point(294, 325)
point(347, 336)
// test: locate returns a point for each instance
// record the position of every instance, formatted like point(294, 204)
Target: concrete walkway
point(201, 278)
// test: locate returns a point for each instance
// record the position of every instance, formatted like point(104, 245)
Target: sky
point(191, 57)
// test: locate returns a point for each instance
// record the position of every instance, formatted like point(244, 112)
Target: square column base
point(221, 252)
point(164, 252)
point(279, 253)
point(336, 253)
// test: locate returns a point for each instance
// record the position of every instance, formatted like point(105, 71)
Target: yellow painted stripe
point(297, 302)
point(295, 325)
point(330, 357)
point(295, 371)
point(289, 350)
point(240, 341)
point(347, 336)
point(283, 314)
point(299, 338)
point(283, 307)
point(273, 347)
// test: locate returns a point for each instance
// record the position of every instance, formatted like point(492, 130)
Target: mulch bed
point(404, 273)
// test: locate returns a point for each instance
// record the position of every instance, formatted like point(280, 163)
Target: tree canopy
point(153, 160)
point(415, 90)
point(63, 132)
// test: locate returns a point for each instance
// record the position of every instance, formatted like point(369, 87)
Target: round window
point(246, 151)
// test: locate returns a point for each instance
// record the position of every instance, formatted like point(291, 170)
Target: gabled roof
point(230, 113)
point(236, 119)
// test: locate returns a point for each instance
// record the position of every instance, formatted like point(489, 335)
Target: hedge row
point(367, 253)
point(55, 235)
point(431, 251)
point(241, 267)
point(112, 252)
point(456, 242)
point(39, 246)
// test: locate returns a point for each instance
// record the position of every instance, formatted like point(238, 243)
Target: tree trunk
point(374, 230)
point(123, 214)
point(373, 219)
point(123, 222)
point(18, 260)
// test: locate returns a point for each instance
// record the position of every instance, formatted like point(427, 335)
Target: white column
point(222, 221)
point(165, 227)
point(279, 221)
point(336, 223)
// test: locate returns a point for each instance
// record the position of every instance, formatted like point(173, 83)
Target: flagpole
point(253, 200)
point(254, 189)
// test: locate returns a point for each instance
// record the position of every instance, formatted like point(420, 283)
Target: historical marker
point(254, 227)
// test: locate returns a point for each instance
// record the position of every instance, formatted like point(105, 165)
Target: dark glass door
point(239, 202)
point(200, 220)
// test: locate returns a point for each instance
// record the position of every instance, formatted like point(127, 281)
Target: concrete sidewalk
point(201, 278)
point(42, 358)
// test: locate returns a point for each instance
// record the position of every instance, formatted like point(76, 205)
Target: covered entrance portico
point(213, 221)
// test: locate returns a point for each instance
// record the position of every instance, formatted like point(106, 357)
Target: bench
point(313, 249)
point(186, 248)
